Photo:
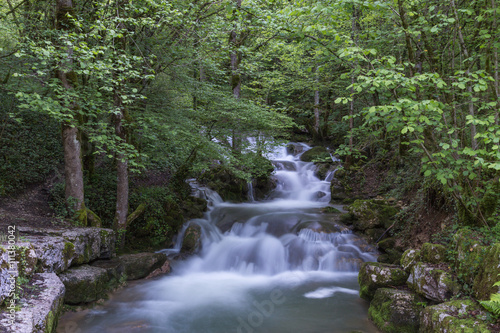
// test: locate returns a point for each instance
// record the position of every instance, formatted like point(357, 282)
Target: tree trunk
point(73, 170)
point(316, 105)
point(497, 92)
point(235, 57)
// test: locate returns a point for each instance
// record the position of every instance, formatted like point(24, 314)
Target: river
point(279, 265)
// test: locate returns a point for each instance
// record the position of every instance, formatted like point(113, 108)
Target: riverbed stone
point(191, 242)
point(433, 253)
point(318, 153)
point(432, 283)
point(374, 275)
point(396, 311)
point(410, 257)
point(454, 316)
point(84, 284)
point(40, 312)
point(140, 265)
point(488, 274)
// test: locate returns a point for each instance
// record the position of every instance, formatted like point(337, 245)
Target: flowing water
point(275, 266)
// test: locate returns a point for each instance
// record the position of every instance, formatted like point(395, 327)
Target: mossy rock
point(347, 218)
point(316, 154)
point(387, 243)
point(84, 284)
point(373, 234)
point(433, 253)
point(372, 214)
point(191, 243)
point(140, 265)
point(469, 255)
point(454, 316)
point(374, 275)
point(432, 283)
point(391, 256)
point(488, 273)
point(193, 208)
point(223, 181)
point(409, 258)
point(396, 311)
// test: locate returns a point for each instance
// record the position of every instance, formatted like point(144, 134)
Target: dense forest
point(121, 101)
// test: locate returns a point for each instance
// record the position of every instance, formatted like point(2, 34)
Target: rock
point(318, 153)
point(391, 256)
point(409, 258)
point(469, 255)
point(191, 242)
point(488, 273)
point(24, 260)
point(319, 194)
point(165, 269)
point(371, 214)
point(319, 226)
point(453, 317)
point(84, 284)
point(432, 283)
point(396, 311)
point(294, 148)
point(40, 312)
point(115, 271)
point(140, 265)
point(387, 243)
point(58, 249)
point(373, 276)
point(433, 253)
point(373, 234)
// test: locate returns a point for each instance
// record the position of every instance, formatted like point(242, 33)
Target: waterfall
point(277, 265)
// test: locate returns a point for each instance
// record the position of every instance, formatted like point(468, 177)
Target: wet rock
point(316, 154)
point(165, 269)
point(115, 270)
point(40, 312)
point(433, 253)
point(319, 194)
point(432, 283)
point(453, 316)
point(373, 275)
point(294, 148)
point(370, 214)
point(410, 257)
point(140, 265)
point(488, 273)
point(191, 243)
point(84, 284)
point(318, 226)
point(396, 311)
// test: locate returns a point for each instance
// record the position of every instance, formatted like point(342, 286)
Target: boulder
point(390, 256)
point(410, 257)
point(432, 283)
point(372, 214)
point(433, 253)
point(469, 255)
point(84, 284)
point(488, 273)
point(318, 153)
point(115, 271)
point(140, 265)
point(373, 275)
point(39, 312)
point(396, 311)
point(454, 316)
point(191, 242)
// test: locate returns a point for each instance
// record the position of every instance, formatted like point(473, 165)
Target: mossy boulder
point(316, 154)
point(454, 316)
point(115, 272)
point(410, 257)
point(371, 214)
point(193, 208)
point(84, 284)
point(396, 311)
point(373, 234)
point(390, 256)
point(488, 273)
point(469, 255)
point(140, 265)
point(374, 275)
point(432, 283)
point(223, 181)
point(191, 242)
point(433, 253)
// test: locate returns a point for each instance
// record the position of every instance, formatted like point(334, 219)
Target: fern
point(493, 305)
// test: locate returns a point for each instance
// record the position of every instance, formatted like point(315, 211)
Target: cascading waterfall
point(277, 265)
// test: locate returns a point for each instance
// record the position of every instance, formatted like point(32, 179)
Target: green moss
point(372, 214)
point(316, 154)
point(409, 258)
point(373, 276)
point(433, 253)
point(68, 252)
point(488, 273)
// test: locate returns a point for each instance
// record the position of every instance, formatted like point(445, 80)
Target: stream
point(279, 265)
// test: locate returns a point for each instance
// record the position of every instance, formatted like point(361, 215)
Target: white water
point(270, 266)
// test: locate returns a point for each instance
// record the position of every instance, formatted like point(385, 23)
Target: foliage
point(493, 304)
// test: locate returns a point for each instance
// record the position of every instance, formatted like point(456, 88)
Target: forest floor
point(30, 208)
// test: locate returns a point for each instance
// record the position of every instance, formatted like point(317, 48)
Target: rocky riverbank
point(52, 267)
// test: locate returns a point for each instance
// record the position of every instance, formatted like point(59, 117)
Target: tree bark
point(316, 104)
point(497, 92)
point(235, 57)
point(73, 170)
